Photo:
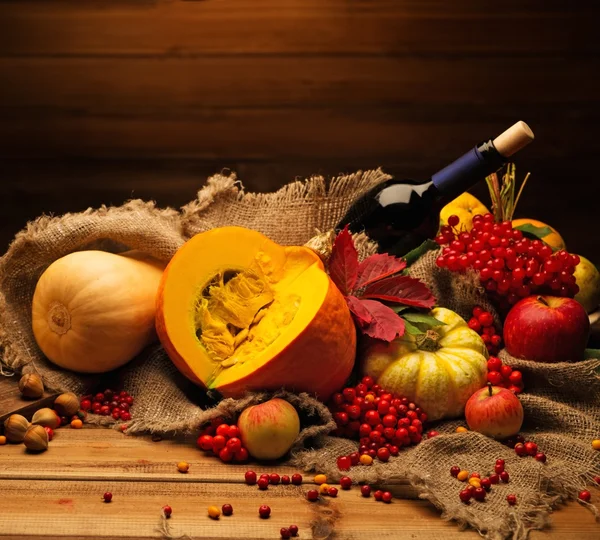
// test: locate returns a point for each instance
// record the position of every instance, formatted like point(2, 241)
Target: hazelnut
point(36, 439)
point(15, 427)
point(47, 418)
point(66, 404)
point(31, 386)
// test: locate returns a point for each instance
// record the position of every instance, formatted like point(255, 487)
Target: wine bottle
point(401, 214)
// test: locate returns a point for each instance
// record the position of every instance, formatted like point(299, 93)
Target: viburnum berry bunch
point(483, 323)
point(381, 421)
point(503, 375)
point(109, 403)
point(509, 265)
point(223, 440)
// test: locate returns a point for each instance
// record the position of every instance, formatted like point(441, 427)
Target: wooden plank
point(12, 402)
point(178, 87)
point(67, 509)
point(295, 27)
point(370, 135)
point(108, 455)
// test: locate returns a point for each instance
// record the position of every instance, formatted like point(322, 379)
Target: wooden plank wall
point(106, 99)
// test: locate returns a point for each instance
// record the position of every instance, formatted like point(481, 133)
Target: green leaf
point(591, 354)
point(399, 309)
point(422, 318)
point(412, 256)
point(411, 329)
point(530, 230)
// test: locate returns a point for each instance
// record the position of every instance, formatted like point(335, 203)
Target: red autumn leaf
point(378, 267)
point(343, 264)
point(362, 315)
point(402, 290)
point(376, 319)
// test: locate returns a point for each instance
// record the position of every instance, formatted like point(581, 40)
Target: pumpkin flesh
point(254, 316)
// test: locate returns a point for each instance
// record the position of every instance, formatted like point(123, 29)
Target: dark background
point(101, 101)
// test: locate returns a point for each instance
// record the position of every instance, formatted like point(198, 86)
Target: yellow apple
point(588, 280)
point(465, 206)
point(554, 239)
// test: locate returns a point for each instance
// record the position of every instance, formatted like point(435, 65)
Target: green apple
point(588, 279)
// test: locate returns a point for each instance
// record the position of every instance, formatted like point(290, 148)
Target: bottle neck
point(467, 170)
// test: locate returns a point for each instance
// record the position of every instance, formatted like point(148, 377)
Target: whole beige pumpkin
point(93, 311)
point(439, 370)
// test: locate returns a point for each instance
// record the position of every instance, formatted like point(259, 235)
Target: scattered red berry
point(250, 478)
point(227, 509)
point(293, 530)
point(465, 495)
point(345, 482)
point(531, 448)
point(365, 490)
point(453, 220)
point(296, 479)
point(234, 444)
point(344, 463)
point(107, 497)
point(504, 477)
point(285, 479)
point(520, 449)
point(332, 492)
point(431, 434)
point(386, 497)
point(285, 532)
point(511, 499)
point(486, 484)
point(263, 483)
point(50, 432)
point(378, 495)
point(167, 511)
point(494, 479)
point(264, 511)
point(274, 479)
point(454, 471)
point(597, 480)
point(585, 496)
point(312, 495)
point(541, 457)
point(479, 494)
point(383, 454)
point(474, 475)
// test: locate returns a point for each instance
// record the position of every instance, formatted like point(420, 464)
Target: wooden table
point(58, 494)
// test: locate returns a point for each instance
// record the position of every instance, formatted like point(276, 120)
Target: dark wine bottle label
point(467, 170)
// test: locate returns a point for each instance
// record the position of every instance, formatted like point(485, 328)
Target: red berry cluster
point(525, 448)
point(479, 486)
point(510, 266)
point(109, 403)
point(265, 479)
point(289, 532)
point(223, 440)
point(483, 323)
point(382, 422)
point(384, 496)
point(502, 375)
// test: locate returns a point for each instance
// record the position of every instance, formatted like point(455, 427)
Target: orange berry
point(366, 459)
point(461, 429)
point(76, 424)
point(462, 475)
point(596, 444)
point(320, 479)
point(183, 467)
point(2, 440)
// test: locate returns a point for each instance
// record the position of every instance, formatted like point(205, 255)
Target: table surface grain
point(58, 494)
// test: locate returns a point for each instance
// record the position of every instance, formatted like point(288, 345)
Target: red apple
point(547, 329)
point(495, 412)
point(268, 430)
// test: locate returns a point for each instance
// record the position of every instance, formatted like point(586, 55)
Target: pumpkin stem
point(429, 341)
point(59, 318)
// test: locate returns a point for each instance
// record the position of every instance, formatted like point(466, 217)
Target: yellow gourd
point(439, 370)
point(93, 311)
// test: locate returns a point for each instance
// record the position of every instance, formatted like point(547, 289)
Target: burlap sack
point(562, 402)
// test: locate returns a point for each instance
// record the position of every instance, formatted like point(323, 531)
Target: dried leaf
point(376, 319)
point(403, 290)
point(376, 267)
point(343, 264)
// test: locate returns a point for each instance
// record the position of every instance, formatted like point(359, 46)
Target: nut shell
point(47, 418)
point(31, 386)
point(66, 404)
point(36, 439)
point(15, 427)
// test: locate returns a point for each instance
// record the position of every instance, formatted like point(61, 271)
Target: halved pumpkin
point(237, 312)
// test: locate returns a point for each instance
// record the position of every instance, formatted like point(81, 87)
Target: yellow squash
point(439, 370)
